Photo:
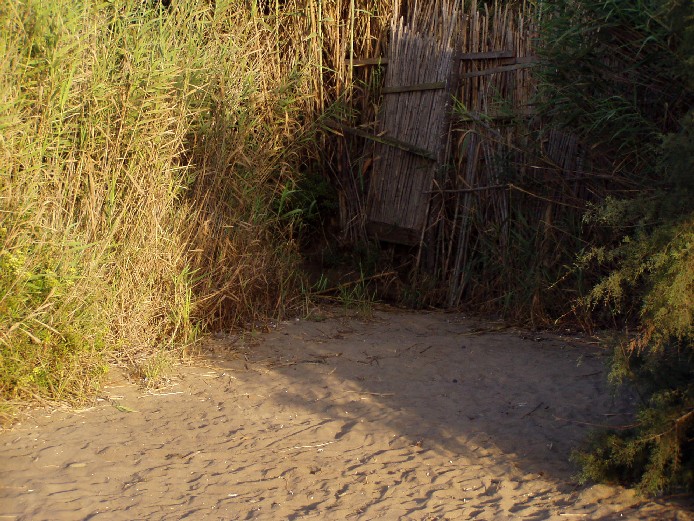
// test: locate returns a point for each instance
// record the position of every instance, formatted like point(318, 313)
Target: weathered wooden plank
point(494, 70)
point(414, 88)
point(368, 61)
point(466, 56)
point(397, 206)
point(520, 59)
point(485, 55)
point(385, 140)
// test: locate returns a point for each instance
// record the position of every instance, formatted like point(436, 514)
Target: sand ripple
point(405, 416)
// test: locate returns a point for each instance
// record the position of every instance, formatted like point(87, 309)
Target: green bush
point(658, 361)
point(619, 74)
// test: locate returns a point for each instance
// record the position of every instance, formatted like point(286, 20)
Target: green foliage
point(307, 206)
point(619, 74)
point(613, 74)
point(655, 269)
point(657, 452)
point(358, 297)
point(53, 341)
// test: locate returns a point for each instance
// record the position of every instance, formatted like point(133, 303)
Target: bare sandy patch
point(406, 415)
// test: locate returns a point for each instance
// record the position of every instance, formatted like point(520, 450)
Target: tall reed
point(142, 151)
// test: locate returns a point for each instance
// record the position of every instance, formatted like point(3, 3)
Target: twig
point(535, 409)
point(589, 374)
point(483, 331)
point(308, 446)
point(361, 279)
point(372, 394)
point(675, 427)
point(601, 425)
point(296, 362)
point(511, 186)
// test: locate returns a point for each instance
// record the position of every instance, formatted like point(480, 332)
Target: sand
point(403, 415)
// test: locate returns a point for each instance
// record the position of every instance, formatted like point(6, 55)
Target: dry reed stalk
point(145, 162)
point(498, 28)
point(351, 29)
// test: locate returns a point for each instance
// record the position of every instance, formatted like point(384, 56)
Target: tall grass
point(141, 154)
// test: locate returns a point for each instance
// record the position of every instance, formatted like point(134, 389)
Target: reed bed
point(495, 96)
point(351, 31)
point(510, 223)
point(143, 153)
point(500, 212)
point(461, 202)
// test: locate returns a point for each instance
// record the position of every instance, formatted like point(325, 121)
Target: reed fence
point(414, 117)
point(435, 145)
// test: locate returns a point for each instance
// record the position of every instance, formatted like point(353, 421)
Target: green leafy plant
point(657, 452)
point(619, 76)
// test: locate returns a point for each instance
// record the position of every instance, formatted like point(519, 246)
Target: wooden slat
point(368, 61)
point(414, 88)
point(466, 56)
point(494, 70)
point(412, 149)
point(519, 59)
point(486, 55)
point(422, 52)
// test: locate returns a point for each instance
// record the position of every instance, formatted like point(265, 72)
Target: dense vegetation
point(143, 152)
point(153, 176)
point(620, 75)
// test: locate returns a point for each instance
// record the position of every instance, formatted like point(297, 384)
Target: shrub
point(619, 74)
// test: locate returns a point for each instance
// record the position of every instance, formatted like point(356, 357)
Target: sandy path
point(404, 416)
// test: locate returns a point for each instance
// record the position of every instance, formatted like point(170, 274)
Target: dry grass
point(142, 155)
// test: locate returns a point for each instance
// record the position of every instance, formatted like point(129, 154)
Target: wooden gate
point(413, 130)
point(431, 164)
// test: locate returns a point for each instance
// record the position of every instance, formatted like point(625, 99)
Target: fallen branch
point(535, 409)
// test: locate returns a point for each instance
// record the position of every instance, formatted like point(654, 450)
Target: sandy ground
point(401, 416)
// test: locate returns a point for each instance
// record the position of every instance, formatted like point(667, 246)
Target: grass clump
point(40, 354)
point(142, 152)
